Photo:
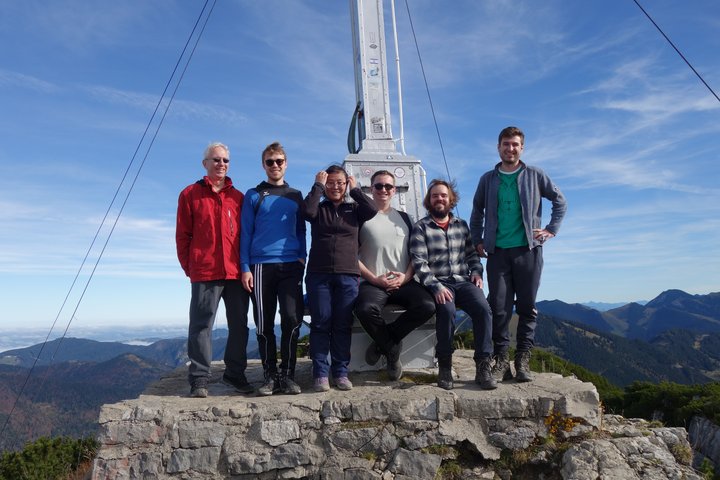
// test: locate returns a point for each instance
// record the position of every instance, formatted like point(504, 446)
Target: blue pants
point(331, 298)
point(514, 273)
point(472, 300)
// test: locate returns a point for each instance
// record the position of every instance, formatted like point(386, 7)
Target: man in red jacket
point(208, 247)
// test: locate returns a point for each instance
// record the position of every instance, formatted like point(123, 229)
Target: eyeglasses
point(335, 184)
point(387, 186)
point(220, 159)
point(274, 161)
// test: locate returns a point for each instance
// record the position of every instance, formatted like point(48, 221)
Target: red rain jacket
point(207, 235)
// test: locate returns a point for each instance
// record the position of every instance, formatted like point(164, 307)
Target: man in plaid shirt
point(447, 264)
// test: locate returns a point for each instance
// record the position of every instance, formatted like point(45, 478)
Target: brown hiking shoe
point(501, 370)
point(522, 366)
point(483, 374)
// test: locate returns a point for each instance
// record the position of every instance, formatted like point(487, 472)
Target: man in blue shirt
point(506, 228)
point(272, 259)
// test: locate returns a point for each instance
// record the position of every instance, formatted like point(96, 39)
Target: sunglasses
point(387, 186)
point(220, 159)
point(274, 161)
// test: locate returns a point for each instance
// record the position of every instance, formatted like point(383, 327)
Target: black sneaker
point(483, 374)
point(288, 386)
point(502, 371)
point(198, 389)
point(522, 366)
point(270, 386)
point(394, 365)
point(445, 378)
point(239, 383)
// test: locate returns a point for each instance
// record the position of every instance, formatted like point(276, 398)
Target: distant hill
point(65, 399)
point(671, 310)
point(169, 352)
point(678, 356)
point(605, 306)
point(74, 377)
point(580, 314)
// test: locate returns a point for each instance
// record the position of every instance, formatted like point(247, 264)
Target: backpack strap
point(406, 217)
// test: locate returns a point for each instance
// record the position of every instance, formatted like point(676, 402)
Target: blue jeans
point(472, 300)
point(331, 298)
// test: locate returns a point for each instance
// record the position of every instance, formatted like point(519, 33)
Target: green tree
point(672, 403)
point(47, 459)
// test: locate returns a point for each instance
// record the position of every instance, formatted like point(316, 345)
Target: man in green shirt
point(505, 225)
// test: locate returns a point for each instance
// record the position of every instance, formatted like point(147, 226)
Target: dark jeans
point(331, 298)
point(471, 300)
point(514, 273)
point(278, 283)
point(419, 307)
point(203, 307)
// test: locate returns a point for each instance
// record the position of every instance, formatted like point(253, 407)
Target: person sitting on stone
point(387, 275)
point(447, 264)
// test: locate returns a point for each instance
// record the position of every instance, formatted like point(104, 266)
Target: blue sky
point(610, 112)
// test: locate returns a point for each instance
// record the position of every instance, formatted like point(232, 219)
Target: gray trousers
point(203, 307)
point(514, 273)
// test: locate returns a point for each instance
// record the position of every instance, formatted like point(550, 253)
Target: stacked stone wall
point(382, 430)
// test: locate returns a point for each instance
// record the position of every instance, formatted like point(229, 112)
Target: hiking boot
point(198, 388)
point(483, 374)
point(522, 366)
point(372, 354)
point(321, 384)
point(394, 365)
point(270, 386)
point(198, 392)
point(343, 383)
point(445, 378)
point(501, 371)
point(288, 385)
point(239, 383)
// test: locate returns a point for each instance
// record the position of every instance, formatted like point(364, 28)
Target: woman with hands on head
point(333, 274)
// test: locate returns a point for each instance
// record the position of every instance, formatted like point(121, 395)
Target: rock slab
point(408, 429)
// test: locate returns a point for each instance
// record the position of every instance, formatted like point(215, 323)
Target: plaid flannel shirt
point(443, 256)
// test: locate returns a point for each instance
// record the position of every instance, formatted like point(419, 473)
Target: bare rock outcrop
point(549, 428)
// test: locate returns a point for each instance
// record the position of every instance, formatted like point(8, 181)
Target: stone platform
point(380, 429)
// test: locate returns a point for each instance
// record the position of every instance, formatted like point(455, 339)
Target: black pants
point(278, 283)
point(203, 307)
point(417, 301)
point(471, 299)
point(514, 273)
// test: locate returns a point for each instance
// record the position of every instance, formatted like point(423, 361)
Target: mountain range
point(170, 352)
point(671, 310)
point(64, 399)
point(674, 337)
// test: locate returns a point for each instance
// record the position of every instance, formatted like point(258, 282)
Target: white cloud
point(16, 79)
